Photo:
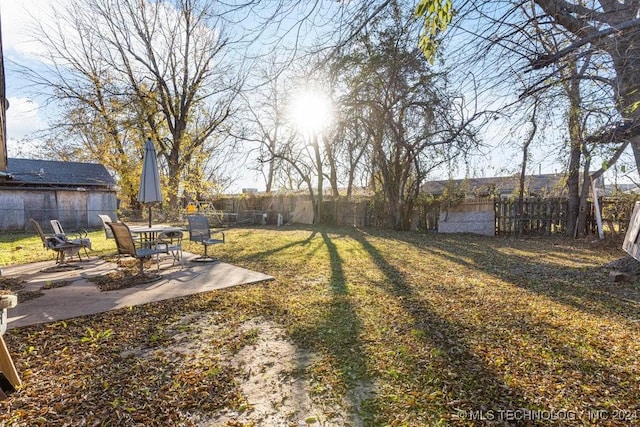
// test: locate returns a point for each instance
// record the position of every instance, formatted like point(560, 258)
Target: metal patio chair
point(200, 231)
point(78, 237)
point(107, 230)
point(171, 242)
point(62, 247)
point(126, 245)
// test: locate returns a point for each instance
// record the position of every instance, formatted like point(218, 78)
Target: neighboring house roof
point(622, 188)
point(53, 173)
point(534, 184)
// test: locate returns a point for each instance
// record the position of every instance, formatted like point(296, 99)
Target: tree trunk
point(523, 168)
point(333, 169)
point(317, 218)
point(581, 224)
point(573, 186)
point(575, 141)
point(271, 167)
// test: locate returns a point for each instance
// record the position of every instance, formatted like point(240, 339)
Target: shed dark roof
point(57, 173)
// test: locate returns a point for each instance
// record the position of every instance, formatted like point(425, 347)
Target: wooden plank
point(630, 243)
point(6, 365)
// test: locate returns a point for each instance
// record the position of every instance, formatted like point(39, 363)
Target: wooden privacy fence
point(533, 216)
point(546, 216)
point(269, 209)
point(540, 216)
point(549, 216)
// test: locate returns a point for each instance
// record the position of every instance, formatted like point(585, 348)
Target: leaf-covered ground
point(402, 329)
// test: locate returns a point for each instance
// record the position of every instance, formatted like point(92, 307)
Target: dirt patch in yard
point(269, 371)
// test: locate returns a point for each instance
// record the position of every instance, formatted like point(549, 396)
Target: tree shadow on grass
point(563, 322)
point(584, 288)
point(336, 338)
point(464, 379)
point(273, 251)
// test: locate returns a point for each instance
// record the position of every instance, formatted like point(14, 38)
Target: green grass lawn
point(436, 329)
point(22, 248)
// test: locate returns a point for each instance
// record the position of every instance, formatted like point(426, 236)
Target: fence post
point(596, 204)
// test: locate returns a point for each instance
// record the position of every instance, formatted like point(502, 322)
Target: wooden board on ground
point(7, 368)
point(6, 365)
point(631, 244)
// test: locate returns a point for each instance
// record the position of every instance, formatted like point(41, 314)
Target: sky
point(27, 114)
point(24, 115)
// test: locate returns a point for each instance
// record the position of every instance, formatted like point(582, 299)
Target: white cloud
point(17, 21)
point(22, 121)
point(22, 118)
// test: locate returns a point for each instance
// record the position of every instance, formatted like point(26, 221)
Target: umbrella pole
point(149, 216)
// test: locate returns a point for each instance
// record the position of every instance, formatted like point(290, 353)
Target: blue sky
point(27, 114)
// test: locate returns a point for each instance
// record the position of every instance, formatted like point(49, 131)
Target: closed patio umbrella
point(150, 180)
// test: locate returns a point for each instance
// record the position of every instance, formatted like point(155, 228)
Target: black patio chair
point(200, 231)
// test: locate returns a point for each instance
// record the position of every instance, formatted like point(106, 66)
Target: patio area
point(79, 296)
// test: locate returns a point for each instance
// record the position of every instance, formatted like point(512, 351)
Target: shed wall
point(74, 209)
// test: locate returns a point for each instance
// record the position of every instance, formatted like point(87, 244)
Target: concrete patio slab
point(82, 297)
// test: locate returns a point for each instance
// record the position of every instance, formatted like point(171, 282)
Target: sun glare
point(311, 111)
